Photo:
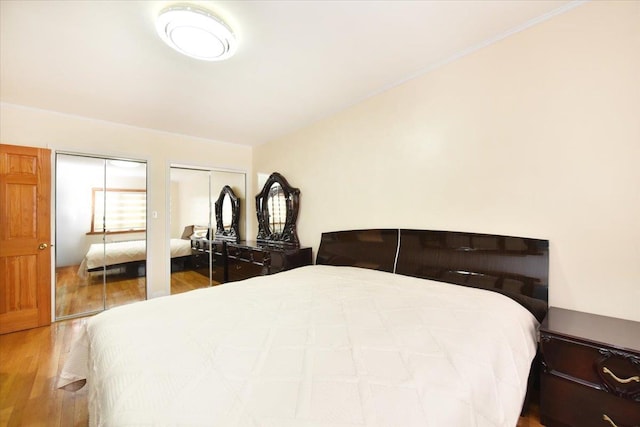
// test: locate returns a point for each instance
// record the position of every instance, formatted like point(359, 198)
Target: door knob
point(43, 246)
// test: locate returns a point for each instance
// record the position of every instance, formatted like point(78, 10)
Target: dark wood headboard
point(514, 266)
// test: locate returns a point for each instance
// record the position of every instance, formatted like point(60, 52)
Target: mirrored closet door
point(195, 251)
point(100, 233)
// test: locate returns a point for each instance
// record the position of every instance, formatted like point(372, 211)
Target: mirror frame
point(289, 235)
point(234, 233)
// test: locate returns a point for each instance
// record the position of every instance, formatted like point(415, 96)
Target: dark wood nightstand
point(590, 370)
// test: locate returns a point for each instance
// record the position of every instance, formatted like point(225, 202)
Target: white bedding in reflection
point(113, 253)
point(315, 346)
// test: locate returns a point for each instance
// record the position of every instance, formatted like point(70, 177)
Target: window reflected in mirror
point(276, 208)
point(227, 213)
point(116, 210)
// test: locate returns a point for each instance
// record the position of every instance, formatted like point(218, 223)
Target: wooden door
point(25, 236)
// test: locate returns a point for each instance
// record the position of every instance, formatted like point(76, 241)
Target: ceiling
point(297, 61)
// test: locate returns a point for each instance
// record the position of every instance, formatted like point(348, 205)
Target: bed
point(374, 334)
point(129, 255)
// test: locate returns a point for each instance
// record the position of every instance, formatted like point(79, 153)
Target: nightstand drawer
point(590, 370)
point(614, 371)
point(567, 403)
point(570, 358)
point(620, 373)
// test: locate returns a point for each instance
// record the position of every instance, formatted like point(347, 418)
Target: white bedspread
point(113, 253)
point(315, 346)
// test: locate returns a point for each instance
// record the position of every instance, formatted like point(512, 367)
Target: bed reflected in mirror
point(100, 234)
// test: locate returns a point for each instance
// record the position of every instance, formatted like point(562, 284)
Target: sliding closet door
point(124, 231)
point(191, 218)
point(193, 194)
point(100, 233)
point(77, 291)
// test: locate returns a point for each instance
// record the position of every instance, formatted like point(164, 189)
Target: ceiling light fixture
point(196, 33)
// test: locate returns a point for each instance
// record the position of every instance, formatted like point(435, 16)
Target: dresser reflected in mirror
point(227, 211)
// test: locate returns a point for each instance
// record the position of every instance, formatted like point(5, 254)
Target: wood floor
point(532, 418)
point(188, 280)
point(78, 295)
point(29, 365)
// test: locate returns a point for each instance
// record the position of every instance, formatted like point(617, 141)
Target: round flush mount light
point(196, 32)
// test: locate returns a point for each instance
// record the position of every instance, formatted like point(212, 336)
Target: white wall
point(537, 135)
point(190, 203)
point(59, 132)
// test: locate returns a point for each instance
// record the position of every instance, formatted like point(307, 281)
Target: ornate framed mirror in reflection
point(227, 209)
point(277, 210)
